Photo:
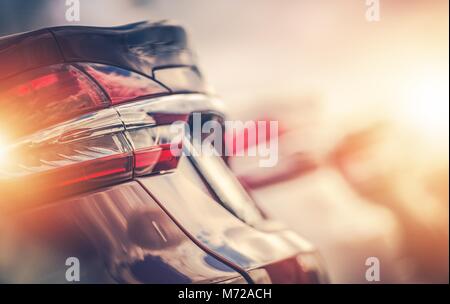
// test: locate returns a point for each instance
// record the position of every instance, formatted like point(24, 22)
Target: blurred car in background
point(357, 195)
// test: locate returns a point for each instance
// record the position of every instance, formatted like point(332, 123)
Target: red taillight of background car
point(255, 132)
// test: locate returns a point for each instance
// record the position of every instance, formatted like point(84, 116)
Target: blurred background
point(363, 110)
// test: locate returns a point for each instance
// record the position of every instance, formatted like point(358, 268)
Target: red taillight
point(43, 97)
point(155, 148)
point(53, 170)
point(99, 172)
point(37, 84)
point(155, 159)
point(123, 85)
point(81, 160)
point(63, 138)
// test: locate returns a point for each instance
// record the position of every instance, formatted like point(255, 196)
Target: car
point(90, 190)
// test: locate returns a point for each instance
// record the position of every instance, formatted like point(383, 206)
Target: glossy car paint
point(119, 234)
point(212, 226)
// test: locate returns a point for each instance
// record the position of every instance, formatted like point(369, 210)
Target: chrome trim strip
point(138, 114)
point(90, 125)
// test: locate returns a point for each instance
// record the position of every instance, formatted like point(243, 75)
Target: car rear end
point(88, 176)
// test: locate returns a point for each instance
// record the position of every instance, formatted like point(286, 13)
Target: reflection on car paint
point(193, 207)
point(125, 229)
